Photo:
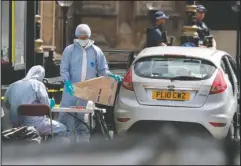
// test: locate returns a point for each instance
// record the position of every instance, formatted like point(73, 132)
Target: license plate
point(171, 95)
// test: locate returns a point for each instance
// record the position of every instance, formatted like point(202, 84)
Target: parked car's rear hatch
point(172, 81)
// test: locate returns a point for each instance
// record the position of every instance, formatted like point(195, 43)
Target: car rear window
point(170, 67)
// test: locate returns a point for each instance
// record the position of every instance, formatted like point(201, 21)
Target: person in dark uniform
point(154, 36)
point(203, 29)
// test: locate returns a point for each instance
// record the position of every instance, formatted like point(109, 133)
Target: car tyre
point(230, 135)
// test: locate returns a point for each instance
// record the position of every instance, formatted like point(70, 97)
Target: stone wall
point(114, 24)
point(222, 44)
point(47, 10)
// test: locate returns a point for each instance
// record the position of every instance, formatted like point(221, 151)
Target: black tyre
point(231, 146)
point(230, 134)
point(233, 133)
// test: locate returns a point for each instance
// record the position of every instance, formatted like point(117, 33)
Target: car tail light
point(123, 120)
point(219, 84)
point(216, 124)
point(127, 81)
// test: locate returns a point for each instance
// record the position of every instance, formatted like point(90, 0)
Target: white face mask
point(83, 43)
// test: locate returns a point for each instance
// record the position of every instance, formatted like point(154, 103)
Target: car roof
point(209, 54)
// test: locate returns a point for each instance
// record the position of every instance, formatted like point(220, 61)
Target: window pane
point(5, 31)
point(19, 35)
point(166, 68)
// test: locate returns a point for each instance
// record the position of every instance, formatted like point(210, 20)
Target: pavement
point(146, 150)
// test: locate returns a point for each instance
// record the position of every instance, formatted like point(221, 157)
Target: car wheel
point(236, 123)
point(231, 146)
point(230, 134)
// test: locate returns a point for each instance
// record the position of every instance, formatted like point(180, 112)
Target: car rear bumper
point(128, 108)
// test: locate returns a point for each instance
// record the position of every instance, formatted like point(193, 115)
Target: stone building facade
point(114, 24)
point(117, 24)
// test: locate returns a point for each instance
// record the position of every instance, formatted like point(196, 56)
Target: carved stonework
point(142, 10)
point(48, 22)
point(142, 41)
point(100, 41)
point(125, 37)
point(114, 24)
point(167, 6)
point(99, 8)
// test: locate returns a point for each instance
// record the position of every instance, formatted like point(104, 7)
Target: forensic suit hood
point(30, 90)
point(27, 91)
point(37, 72)
point(82, 30)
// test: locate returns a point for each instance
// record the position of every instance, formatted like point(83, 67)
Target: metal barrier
point(121, 51)
point(129, 60)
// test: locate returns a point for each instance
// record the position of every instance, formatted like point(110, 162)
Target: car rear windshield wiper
point(185, 78)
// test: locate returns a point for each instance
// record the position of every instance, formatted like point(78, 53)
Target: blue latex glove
point(188, 44)
point(51, 103)
point(69, 87)
point(116, 77)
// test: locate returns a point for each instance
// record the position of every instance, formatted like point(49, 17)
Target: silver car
point(184, 85)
